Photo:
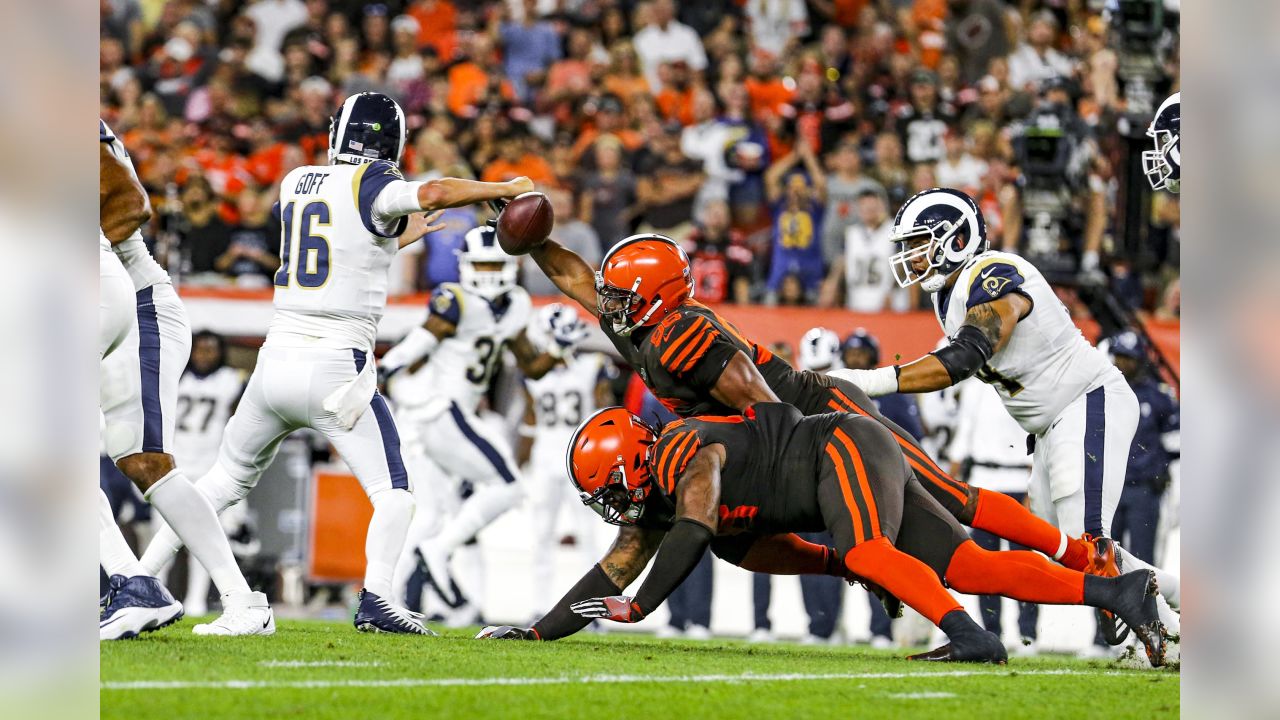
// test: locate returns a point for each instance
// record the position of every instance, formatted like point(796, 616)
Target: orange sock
point(1019, 574)
point(910, 580)
point(1001, 515)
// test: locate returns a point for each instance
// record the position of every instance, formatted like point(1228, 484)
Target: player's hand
point(421, 224)
point(520, 185)
point(506, 632)
point(618, 608)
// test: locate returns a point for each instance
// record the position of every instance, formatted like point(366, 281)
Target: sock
point(1170, 584)
point(1001, 515)
point(477, 511)
point(197, 585)
point(910, 580)
point(113, 550)
point(187, 511)
point(220, 489)
point(392, 513)
point(1019, 574)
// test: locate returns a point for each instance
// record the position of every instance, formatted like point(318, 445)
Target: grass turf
point(314, 669)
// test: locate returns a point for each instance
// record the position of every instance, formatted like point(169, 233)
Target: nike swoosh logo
point(266, 622)
point(984, 275)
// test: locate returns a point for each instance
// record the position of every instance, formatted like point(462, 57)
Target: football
point(524, 223)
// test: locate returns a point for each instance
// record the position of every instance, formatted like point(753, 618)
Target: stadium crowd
point(775, 138)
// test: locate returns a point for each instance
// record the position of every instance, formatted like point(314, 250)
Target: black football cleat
point(1136, 605)
point(969, 642)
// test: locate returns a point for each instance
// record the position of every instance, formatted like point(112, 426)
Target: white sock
point(220, 489)
point(1170, 584)
point(187, 511)
point(113, 551)
point(477, 511)
point(197, 585)
point(392, 513)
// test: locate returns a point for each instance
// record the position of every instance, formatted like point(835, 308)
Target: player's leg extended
point(249, 445)
point(546, 486)
point(994, 512)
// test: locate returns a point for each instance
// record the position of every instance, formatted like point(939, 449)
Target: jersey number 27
point(311, 260)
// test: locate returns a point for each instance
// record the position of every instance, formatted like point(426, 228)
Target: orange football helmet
point(641, 279)
point(608, 461)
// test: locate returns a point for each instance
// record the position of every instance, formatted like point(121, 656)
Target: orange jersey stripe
point(663, 452)
point(849, 404)
point(845, 490)
point(684, 364)
point(672, 460)
point(860, 471)
point(673, 348)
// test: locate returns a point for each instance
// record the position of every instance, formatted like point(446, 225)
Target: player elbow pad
point(418, 344)
point(968, 350)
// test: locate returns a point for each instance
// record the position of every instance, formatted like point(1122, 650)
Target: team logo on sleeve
point(994, 285)
point(441, 303)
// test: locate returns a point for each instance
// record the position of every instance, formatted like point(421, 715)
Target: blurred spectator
point(272, 21)
point(709, 141)
point(471, 85)
point(515, 158)
point(765, 87)
point(611, 193)
point(797, 200)
point(571, 232)
point(667, 40)
point(923, 123)
point(675, 100)
point(406, 65)
point(607, 120)
point(253, 248)
point(529, 47)
point(845, 184)
point(818, 113)
point(667, 182)
point(624, 78)
point(203, 234)
point(570, 77)
point(776, 24)
point(720, 260)
point(976, 33)
point(436, 25)
point(1035, 60)
point(890, 170)
point(860, 277)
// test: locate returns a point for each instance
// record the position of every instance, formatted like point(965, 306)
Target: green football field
point(314, 669)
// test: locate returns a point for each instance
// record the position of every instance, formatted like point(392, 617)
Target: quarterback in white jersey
point(144, 329)
point(468, 327)
point(555, 405)
point(1007, 327)
point(340, 226)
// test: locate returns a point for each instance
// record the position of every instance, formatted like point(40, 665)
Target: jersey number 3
point(311, 261)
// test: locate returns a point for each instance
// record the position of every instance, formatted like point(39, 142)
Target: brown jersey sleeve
point(693, 348)
point(671, 455)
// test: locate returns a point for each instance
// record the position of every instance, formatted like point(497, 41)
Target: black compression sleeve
point(968, 350)
point(678, 555)
point(561, 621)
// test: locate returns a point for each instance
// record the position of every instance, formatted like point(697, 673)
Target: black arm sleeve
point(678, 555)
point(968, 350)
point(561, 621)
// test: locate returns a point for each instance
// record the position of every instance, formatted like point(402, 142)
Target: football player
point(144, 325)
point(820, 351)
point(1006, 327)
point(341, 224)
point(728, 483)
point(469, 324)
point(696, 363)
point(1163, 165)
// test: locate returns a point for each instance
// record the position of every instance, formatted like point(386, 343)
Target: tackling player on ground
point(739, 485)
point(697, 363)
point(341, 224)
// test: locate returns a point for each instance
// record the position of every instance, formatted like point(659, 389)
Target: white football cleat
point(697, 632)
point(761, 635)
point(242, 614)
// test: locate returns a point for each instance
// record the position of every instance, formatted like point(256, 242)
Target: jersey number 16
point(311, 261)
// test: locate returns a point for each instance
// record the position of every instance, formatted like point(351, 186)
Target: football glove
point(618, 608)
point(506, 632)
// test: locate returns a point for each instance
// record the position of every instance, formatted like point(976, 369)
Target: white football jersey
point(1047, 362)
point(331, 288)
point(562, 399)
point(462, 365)
point(868, 281)
point(204, 407)
point(143, 269)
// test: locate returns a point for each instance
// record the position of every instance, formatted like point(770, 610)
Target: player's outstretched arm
point(697, 513)
point(986, 330)
point(123, 202)
point(455, 192)
point(620, 567)
point(569, 272)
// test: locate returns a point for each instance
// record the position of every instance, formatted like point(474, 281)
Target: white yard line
point(921, 696)
point(316, 663)
point(567, 680)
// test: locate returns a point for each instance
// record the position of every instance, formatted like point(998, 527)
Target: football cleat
point(376, 614)
point(969, 642)
point(1137, 607)
point(136, 605)
point(1104, 561)
point(242, 614)
point(435, 566)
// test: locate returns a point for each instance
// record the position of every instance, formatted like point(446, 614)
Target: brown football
point(524, 223)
